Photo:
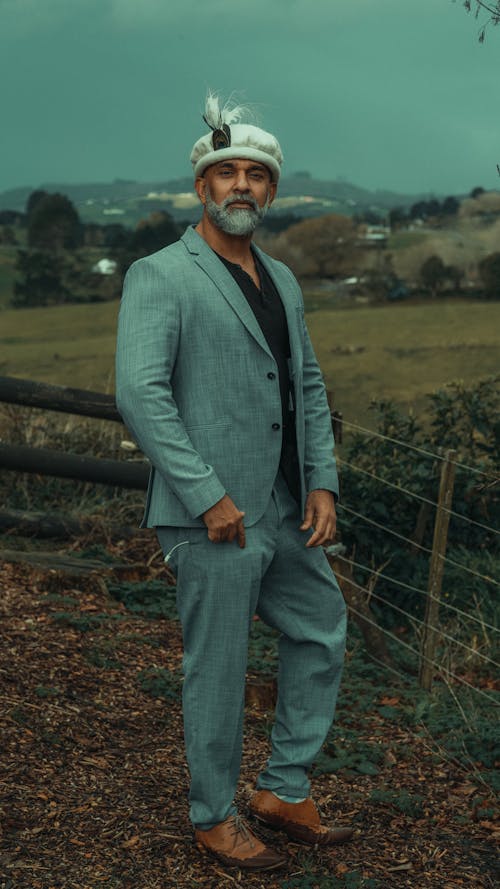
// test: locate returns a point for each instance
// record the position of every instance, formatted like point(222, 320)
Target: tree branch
point(493, 9)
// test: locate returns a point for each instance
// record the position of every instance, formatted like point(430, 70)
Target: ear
point(200, 185)
point(273, 187)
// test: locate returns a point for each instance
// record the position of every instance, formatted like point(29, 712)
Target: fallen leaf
point(341, 869)
point(131, 842)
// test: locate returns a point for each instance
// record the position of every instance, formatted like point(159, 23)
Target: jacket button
point(276, 426)
point(271, 375)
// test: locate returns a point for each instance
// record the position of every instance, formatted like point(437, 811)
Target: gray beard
point(239, 221)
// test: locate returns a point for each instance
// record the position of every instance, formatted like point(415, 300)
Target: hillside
point(127, 201)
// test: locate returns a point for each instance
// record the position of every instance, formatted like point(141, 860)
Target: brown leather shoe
point(300, 821)
point(233, 843)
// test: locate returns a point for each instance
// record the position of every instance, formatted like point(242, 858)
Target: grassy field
point(391, 351)
point(404, 351)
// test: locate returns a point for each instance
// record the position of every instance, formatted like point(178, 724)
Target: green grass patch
point(85, 622)
point(60, 599)
point(161, 683)
point(462, 725)
point(399, 352)
point(311, 878)
point(402, 352)
point(58, 344)
point(153, 598)
point(262, 649)
point(47, 691)
point(98, 656)
point(408, 803)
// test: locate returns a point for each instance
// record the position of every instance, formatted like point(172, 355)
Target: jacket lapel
point(205, 257)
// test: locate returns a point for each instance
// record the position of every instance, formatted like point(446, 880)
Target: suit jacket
point(198, 388)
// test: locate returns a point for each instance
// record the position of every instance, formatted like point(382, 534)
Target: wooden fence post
point(436, 568)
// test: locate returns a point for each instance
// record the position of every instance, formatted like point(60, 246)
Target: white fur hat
point(229, 139)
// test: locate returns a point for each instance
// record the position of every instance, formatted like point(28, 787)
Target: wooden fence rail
point(44, 461)
point(135, 473)
point(82, 402)
point(59, 398)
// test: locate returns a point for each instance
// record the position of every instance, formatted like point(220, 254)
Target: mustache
point(239, 199)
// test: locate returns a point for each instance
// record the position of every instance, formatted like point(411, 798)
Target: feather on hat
point(230, 139)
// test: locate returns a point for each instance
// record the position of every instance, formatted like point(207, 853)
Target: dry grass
point(398, 351)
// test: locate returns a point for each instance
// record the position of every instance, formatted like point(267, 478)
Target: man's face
point(236, 194)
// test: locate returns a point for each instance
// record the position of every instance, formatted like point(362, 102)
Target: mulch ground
point(93, 780)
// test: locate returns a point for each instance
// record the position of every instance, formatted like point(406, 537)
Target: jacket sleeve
point(149, 328)
point(320, 469)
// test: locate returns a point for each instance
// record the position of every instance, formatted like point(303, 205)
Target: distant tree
point(397, 218)
point(278, 222)
point(433, 274)
point(320, 247)
point(450, 206)
point(93, 235)
point(153, 233)
point(11, 217)
point(54, 223)
point(433, 207)
point(476, 192)
point(41, 279)
point(370, 217)
point(378, 281)
point(116, 236)
point(418, 210)
point(454, 275)
point(33, 200)
point(7, 235)
point(489, 272)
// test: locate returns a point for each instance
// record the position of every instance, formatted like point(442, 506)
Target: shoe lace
point(240, 828)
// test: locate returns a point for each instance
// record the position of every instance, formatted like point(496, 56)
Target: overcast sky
point(392, 94)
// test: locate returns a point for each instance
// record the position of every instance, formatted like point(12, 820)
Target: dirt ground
point(94, 783)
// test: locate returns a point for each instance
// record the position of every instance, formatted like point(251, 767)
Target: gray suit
point(192, 370)
point(198, 387)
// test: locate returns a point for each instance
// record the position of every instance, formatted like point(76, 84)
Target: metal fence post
point(436, 568)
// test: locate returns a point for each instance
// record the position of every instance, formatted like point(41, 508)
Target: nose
point(241, 184)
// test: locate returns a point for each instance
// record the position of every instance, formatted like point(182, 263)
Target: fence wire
point(419, 450)
point(401, 583)
point(420, 497)
point(419, 546)
point(421, 656)
point(373, 595)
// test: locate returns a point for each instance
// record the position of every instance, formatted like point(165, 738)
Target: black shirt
point(269, 311)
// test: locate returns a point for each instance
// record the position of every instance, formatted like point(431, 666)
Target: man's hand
point(320, 514)
point(225, 522)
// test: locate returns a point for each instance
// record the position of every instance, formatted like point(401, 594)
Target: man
point(217, 381)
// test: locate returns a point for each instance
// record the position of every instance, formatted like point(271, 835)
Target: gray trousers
point(219, 589)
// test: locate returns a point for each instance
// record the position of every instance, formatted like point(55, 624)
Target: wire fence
point(468, 635)
point(423, 451)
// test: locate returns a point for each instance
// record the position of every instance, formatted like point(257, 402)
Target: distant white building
point(105, 267)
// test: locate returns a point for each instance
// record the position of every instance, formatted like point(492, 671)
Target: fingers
point(308, 518)
point(324, 531)
point(226, 533)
